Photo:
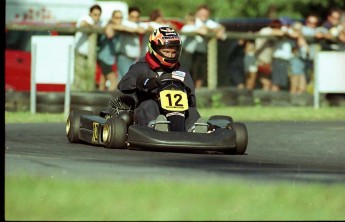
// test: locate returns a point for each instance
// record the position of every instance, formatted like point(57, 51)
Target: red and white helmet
point(162, 38)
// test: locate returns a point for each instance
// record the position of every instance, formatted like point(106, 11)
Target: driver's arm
point(128, 83)
point(137, 73)
point(188, 81)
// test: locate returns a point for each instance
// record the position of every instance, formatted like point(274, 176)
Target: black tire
point(18, 97)
point(241, 137)
point(221, 117)
point(90, 99)
point(50, 108)
point(114, 133)
point(94, 109)
point(127, 116)
point(50, 98)
point(73, 124)
point(220, 121)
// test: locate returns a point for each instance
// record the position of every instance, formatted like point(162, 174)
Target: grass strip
point(36, 198)
point(238, 113)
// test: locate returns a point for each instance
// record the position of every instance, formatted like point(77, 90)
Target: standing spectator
point(202, 20)
point(297, 62)
point(106, 53)
point(311, 24)
point(310, 30)
point(156, 20)
point(236, 63)
point(329, 30)
point(281, 55)
point(128, 47)
point(297, 75)
point(263, 53)
point(250, 64)
point(82, 47)
point(341, 35)
point(189, 43)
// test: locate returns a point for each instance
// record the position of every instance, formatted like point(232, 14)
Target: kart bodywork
point(115, 128)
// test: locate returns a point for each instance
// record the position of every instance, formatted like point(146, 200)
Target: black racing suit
point(147, 107)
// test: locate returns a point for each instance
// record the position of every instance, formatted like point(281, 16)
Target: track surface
point(290, 151)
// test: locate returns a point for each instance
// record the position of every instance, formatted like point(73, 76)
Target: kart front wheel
point(221, 117)
point(241, 137)
point(221, 121)
point(73, 124)
point(114, 133)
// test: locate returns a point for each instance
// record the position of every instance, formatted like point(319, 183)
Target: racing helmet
point(165, 38)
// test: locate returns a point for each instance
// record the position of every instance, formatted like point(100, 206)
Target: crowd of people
point(287, 61)
point(282, 63)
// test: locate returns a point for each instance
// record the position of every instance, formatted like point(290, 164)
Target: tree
point(241, 8)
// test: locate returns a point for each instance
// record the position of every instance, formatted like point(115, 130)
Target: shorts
point(250, 64)
point(106, 69)
point(297, 66)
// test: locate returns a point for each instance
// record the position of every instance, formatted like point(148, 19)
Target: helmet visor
point(169, 51)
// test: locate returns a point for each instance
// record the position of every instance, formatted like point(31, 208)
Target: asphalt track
point(277, 151)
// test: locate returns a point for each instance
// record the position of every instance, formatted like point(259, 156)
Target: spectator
point(250, 64)
point(128, 47)
point(341, 36)
point(143, 77)
point(189, 43)
point(263, 52)
point(311, 24)
point(236, 63)
point(156, 20)
point(332, 20)
point(310, 30)
point(202, 21)
point(301, 49)
point(297, 75)
point(329, 31)
point(82, 47)
point(281, 55)
point(106, 54)
point(274, 55)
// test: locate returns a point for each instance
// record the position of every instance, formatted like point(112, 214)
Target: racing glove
point(148, 83)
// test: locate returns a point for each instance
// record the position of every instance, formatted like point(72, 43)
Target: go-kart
point(115, 126)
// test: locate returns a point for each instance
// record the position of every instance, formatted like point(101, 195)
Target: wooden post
point(91, 63)
point(212, 63)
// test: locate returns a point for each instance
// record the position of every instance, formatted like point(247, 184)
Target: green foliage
point(239, 8)
point(217, 100)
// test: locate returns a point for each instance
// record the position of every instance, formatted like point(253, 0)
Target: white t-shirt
point(209, 23)
point(129, 43)
point(201, 42)
point(189, 43)
point(81, 39)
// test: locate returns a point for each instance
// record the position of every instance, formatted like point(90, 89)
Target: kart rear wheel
point(241, 137)
point(114, 133)
point(73, 124)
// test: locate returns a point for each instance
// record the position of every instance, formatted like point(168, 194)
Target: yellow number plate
point(174, 100)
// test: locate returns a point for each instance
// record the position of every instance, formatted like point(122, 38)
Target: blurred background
point(242, 19)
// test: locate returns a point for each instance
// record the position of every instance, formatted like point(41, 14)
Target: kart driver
point(164, 49)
